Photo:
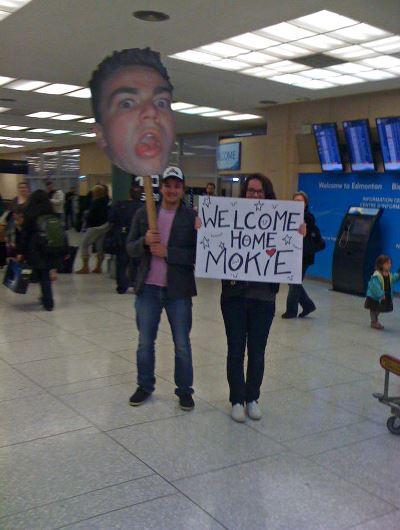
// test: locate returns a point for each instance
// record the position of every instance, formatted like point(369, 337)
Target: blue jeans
point(247, 321)
point(298, 295)
point(149, 305)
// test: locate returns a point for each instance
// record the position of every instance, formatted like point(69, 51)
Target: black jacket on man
point(181, 252)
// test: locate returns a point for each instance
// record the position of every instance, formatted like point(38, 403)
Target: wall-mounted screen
point(326, 138)
point(389, 138)
point(358, 140)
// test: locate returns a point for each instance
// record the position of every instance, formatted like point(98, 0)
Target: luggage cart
point(390, 365)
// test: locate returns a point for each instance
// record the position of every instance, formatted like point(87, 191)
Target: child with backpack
point(380, 290)
point(43, 243)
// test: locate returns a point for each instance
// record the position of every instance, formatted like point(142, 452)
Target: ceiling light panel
point(324, 21)
point(241, 117)
point(57, 89)
point(67, 117)
point(321, 43)
point(388, 45)
point(25, 85)
point(198, 110)
point(42, 114)
point(221, 49)
point(360, 33)
point(229, 64)
point(352, 52)
point(259, 72)
point(346, 80)
point(38, 130)
point(288, 51)
point(83, 93)
point(288, 67)
point(349, 68)
point(217, 113)
point(58, 131)
point(4, 80)
point(194, 56)
point(252, 41)
point(319, 73)
point(382, 61)
point(87, 120)
point(257, 58)
point(15, 128)
point(376, 75)
point(286, 32)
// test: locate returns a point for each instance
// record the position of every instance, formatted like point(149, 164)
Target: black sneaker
point(288, 315)
point(139, 397)
point(186, 402)
point(306, 312)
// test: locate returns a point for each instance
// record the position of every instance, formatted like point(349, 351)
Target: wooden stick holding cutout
point(150, 204)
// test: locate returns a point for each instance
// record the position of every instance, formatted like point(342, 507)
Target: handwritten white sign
point(250, 239)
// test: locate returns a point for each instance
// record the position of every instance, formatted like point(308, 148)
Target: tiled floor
point(74, 454)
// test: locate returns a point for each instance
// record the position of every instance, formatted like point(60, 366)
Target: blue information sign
point(228, 156)
point(389, 137)
point(358, 141)
point(328, 146)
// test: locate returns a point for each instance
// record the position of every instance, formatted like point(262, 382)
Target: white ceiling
point(63, 41)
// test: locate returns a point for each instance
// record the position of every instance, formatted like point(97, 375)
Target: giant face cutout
point(137, 128)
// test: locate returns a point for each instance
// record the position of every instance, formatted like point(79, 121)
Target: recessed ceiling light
point(346, 80)
point(217, 113)
point(241, 117)
point(360, 33)
point(179, 105)
point(4, 79)
point(313, 84)
point(349, 68)
point(25, 85)
point(194, 56)
point(252, 41)
point(150, 16)
point(288, 50)
point(288, 67)
point(38, 130)
point(58, 131)
point(286, 32)
point(257, 58)
point(42, 114)
point(87, 120)
point(57, 89)
point(382, 61)
point(259, 71)
point(4, 109)
point(319, 73)
point(67, 117)
point(83, 93)
point(15, 128)
point(320, 43)
point(88, 135)
point(388, 45)
point(323, 21)
point(12, 146)
point(198, 110)
point(351, 52)
point(376, 75)
point(229, 64)
point(289, 79)
point(2, 126)
point(221, 49)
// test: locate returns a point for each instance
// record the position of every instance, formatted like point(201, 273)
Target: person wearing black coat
point(297, 295)
point(44, 267)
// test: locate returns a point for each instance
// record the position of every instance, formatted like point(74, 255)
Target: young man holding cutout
point(165, 280)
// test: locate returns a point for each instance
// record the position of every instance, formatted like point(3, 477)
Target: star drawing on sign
point(287, 240)
point(258, 206)
point(290, 278)
point(205, 243)
point(222, 245)
point(207, 202)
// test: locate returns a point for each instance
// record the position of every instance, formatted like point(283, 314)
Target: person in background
point(69, 208)
point(14, 232)
point(210, 189)
point(312, 244)
point(120, 218)
point(2, 207)
point(56, 198)
point(248, 309)
point(165, 280)
point(380, 290)
point(31, 247)
point(97, 226)
point(23, 192)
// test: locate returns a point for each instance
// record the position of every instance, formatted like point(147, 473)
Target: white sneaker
point(237, 413)
point(254, 411)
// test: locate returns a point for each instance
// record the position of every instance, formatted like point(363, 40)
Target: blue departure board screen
point(326, 138)
point(389, 138)
point(358, 140)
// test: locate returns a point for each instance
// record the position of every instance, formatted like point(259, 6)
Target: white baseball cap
point(173, 172)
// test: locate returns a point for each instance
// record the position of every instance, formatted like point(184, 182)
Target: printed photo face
point(137, 128)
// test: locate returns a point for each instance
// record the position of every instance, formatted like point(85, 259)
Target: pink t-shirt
point(158, 266)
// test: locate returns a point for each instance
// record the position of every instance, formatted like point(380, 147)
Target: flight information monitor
point(358, 140)
point(326, 138)
point(389, 138)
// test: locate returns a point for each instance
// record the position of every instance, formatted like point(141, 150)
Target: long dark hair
point(37, 204)
point(265, 183)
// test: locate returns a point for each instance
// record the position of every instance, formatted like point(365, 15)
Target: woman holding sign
point(248, 309)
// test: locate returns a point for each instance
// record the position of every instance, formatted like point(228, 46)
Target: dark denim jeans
point(149, 305)
point(121, 264)
point(298, 295)
point(247, 321)
point(45, 284)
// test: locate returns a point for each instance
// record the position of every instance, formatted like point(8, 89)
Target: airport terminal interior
point(304, 92)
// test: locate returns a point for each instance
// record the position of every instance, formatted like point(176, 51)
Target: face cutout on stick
point(134, 120)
